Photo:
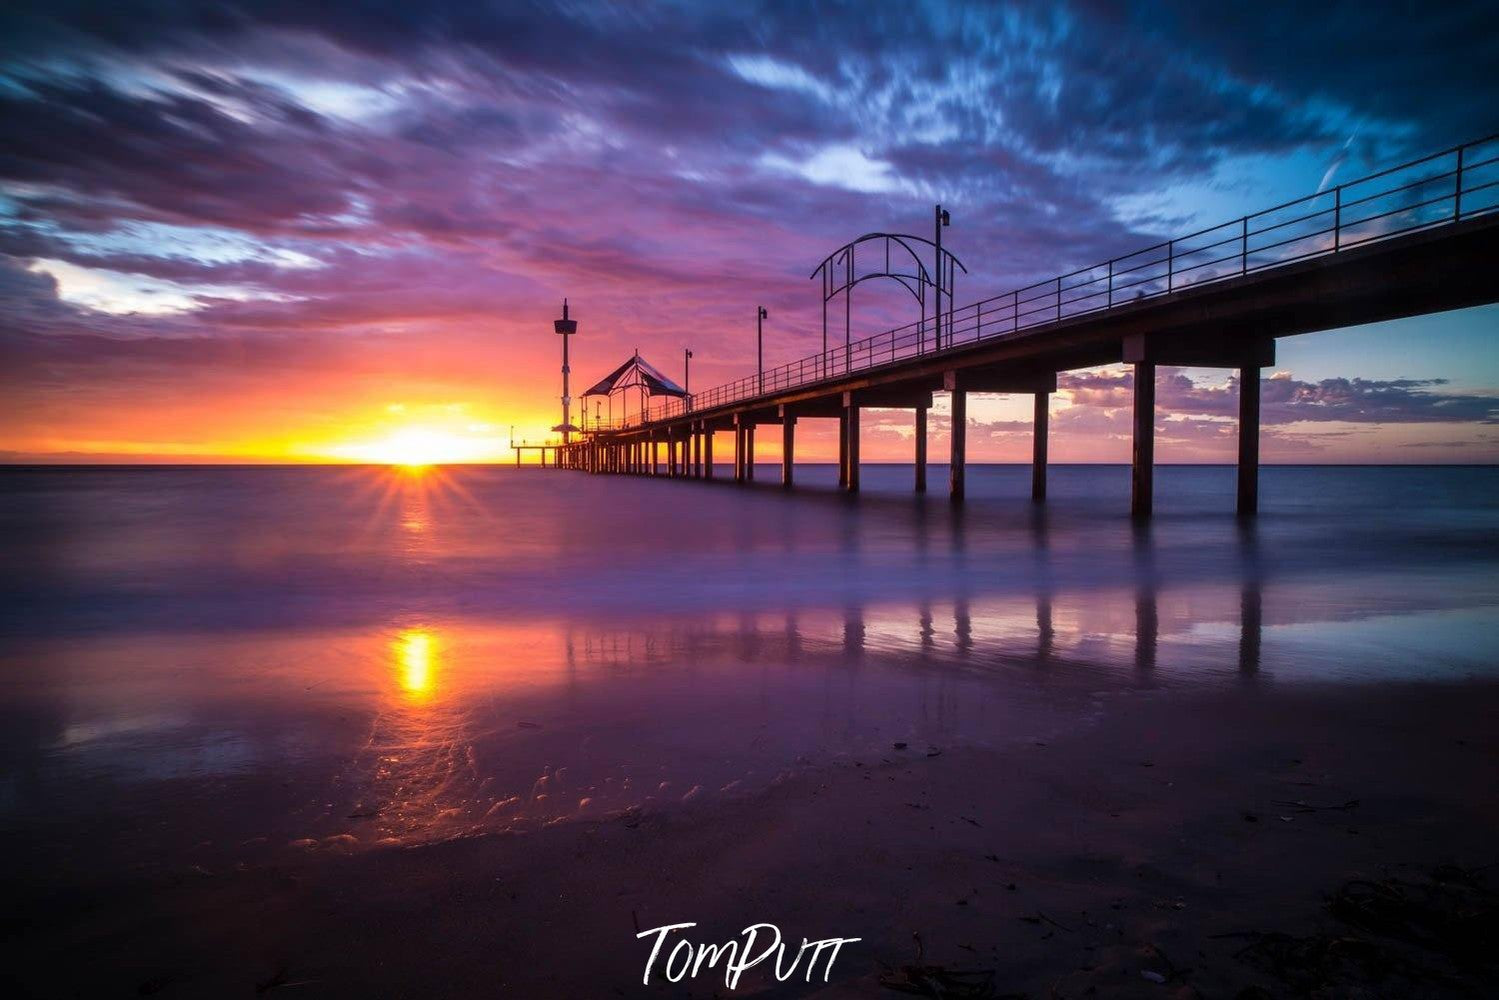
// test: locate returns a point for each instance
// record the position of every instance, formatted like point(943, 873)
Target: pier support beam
point(960, 382)
point(1247, 355)
point(707, 451)
point(851, 446)
point(1038, 447)
point(842, 449)
point(788, 448)
point(956, 476)
point(1249, 441)
point(749, 452)
point(921, 449)
point(738, 451)
point(1142, 469)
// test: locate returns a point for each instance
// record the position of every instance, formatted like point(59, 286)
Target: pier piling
point(921, 449)
point(1249, 441)
point(1142, 471)
point(957, 462)
point(1038, 447)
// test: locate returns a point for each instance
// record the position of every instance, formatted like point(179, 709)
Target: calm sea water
point(205, 666)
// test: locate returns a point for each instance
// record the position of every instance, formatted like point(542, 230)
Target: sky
point(285, 231)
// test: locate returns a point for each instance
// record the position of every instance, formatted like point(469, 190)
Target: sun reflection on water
point(415, 660)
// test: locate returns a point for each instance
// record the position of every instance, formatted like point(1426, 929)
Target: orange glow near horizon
point(418, 447)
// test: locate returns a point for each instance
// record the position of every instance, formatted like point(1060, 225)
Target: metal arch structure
point(839, 274)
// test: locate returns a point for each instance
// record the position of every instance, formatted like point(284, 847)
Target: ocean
point(215, 665)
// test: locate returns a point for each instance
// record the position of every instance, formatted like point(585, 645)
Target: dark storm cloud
point(1428, 66)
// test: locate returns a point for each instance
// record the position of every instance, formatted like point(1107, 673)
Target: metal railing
point(1435, 190)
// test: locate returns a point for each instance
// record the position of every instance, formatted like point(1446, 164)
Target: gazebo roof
point(637, 371)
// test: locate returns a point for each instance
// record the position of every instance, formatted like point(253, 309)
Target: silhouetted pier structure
point(558, 449)
point(1419, 238)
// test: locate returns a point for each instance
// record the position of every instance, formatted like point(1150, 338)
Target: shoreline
point(1128, 844)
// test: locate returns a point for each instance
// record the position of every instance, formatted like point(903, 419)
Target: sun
point(419, 447)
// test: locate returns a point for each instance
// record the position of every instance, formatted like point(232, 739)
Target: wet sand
point(1156, 850)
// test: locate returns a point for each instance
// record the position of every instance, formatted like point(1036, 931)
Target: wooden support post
point(694, 461)
point(1143, 467)
point(517, 458)
point(738, 452)
point(843, 449)
point(1038, 447)
point(708, 451)
point(851, 421)
point(788, 449)
point(921, 449)
point(957, 468)
point(1249, 440)
point(749, 453)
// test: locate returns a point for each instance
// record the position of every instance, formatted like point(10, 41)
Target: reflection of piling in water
point(749, 637)
point(928, 627)
point(793, 637)
point(1251, 624)
point(963, 625)
point(1147, 619)
point(1147, 627)
point(853, 633)
point(1045, 633)
point(1251, 615)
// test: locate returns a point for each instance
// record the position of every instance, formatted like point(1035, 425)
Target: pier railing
point(1435, 190)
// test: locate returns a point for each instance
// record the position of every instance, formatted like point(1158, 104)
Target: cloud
point(839, 166)
point(1285, 399)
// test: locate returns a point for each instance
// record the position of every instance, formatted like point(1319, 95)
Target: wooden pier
point(1420, 238)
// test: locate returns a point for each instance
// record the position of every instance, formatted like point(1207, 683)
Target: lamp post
point(687, 375)
point(760, 317)
point(941, 220)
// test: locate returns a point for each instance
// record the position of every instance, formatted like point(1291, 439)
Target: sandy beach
point(1176, 845)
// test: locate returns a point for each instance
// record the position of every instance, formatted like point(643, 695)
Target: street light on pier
point(760, 317)
point(687, 376)
point(942, 220)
